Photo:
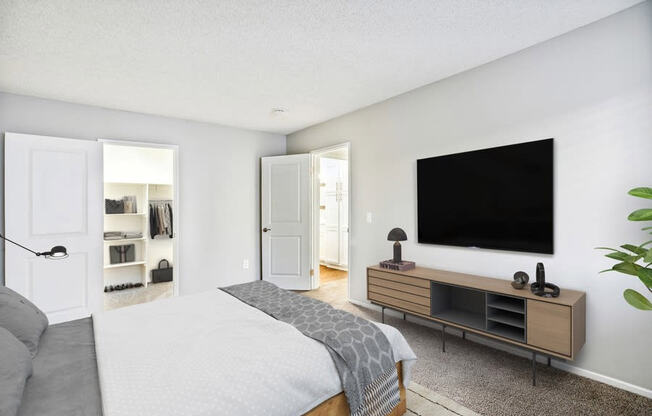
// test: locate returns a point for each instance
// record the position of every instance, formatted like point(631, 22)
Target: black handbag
point(162, 274)
point(114, 206)
point(122, 254)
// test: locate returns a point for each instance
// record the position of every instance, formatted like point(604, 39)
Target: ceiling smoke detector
point(279, 112)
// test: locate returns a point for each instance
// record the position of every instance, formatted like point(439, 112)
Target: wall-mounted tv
point(499, 198)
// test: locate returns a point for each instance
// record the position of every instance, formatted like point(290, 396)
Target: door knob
point(266, 229)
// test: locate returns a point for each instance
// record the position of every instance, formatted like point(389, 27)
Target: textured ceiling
point(232, 61)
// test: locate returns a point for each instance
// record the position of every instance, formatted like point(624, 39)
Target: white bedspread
point(210, 354)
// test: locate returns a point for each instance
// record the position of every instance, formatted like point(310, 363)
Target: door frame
point(175, 187)
point(314, 211)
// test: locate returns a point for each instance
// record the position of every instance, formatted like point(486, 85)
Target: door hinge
point(312, 272)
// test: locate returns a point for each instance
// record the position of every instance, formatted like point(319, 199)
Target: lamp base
point(400, 266)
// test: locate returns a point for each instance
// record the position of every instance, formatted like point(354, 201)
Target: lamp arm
point(21, 246)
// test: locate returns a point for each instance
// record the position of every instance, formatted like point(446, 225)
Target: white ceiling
point(232, 61)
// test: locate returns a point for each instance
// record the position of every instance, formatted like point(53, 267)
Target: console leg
point(463, 334)
point(404, 316)
point(443, 338)
point(382, 314)
point(534, 368)
point(548, 361)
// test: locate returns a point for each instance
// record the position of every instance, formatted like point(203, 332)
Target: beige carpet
point(121, 298)
point(489, 381)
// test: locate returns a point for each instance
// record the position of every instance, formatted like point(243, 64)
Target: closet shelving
point(148, 251)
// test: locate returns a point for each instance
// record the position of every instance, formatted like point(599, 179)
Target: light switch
point(369, 218)
point(245, 263)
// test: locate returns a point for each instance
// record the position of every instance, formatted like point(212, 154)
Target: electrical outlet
point(245, 263)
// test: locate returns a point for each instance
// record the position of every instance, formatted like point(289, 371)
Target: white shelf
point(131, 263)
point(119, 240)
point(125, 215)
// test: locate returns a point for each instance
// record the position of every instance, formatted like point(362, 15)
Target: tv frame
point(525, 250)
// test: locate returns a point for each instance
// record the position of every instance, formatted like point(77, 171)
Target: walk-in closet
point(140, 226)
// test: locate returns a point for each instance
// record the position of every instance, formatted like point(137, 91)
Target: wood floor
point(327, 274)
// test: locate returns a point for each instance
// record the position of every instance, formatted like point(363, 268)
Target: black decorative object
point(122, 254)
point(162, 274)
point(397, 235)
point(114, 206)
point(539, 287)
point(55, 253)
point(520, 280)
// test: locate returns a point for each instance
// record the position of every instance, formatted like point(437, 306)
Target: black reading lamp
point(56, 252)
point(397, 235)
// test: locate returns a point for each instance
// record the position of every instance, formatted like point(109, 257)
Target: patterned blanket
point(362, 354)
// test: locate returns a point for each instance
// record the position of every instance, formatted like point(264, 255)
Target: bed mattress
point(209, 354)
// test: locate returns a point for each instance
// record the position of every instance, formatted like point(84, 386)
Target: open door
point(53, 196)
point(285, 221)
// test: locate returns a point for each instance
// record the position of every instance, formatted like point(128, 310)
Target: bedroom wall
point(591, 90)
point(218, 179)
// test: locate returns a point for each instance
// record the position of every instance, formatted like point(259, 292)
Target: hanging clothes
point(160, 219)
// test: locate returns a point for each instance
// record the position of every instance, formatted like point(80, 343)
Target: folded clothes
point(121, 235)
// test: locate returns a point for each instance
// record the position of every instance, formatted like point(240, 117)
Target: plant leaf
point(637, 300)
point(634, 249)
point(645, 276)
point(627, 268)
point(618, 255)
point(646, 228)
point(643, 192)
point(648, 256)
point(645, 244)
point(644, 214)
point(606, 248)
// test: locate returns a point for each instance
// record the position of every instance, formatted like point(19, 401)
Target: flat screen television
point(499, 198)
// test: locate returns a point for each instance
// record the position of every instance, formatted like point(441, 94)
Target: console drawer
point(402, 287)
point(400, 304)
point(414, 281)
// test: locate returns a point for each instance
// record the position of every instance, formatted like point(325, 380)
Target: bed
point(203, 354)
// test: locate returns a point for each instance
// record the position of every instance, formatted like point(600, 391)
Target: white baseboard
point(334, 266)
point(603, 379)
point(520, 352)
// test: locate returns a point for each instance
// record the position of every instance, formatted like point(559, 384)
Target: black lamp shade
point(57, 252)
point(397, 234)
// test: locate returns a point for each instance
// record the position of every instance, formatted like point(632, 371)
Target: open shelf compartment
point(506, 316)
point(458, 305)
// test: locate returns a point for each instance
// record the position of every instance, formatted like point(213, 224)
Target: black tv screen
point(498, 198)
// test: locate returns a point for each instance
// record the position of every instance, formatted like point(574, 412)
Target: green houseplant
point(635, 260)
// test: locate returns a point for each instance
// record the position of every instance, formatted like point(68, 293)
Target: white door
point(285, 221)
point(53, 196)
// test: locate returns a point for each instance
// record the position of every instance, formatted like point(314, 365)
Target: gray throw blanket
point(363, 356)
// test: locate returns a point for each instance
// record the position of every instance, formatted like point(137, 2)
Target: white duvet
point(211, 354)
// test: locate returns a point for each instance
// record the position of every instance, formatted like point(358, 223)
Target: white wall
point(591, 90)
point(131, 164)
point(218, 179)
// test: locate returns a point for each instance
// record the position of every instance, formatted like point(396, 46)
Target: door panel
point(66, 205)
point(285, 221)
point(53, 196)
point(549, 326)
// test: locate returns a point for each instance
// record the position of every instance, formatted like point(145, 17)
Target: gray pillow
point(20, 317)
point(15, 369)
